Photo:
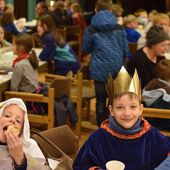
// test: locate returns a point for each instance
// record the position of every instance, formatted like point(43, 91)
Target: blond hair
point(117, 10)
point(129, 18)
point(159, 17)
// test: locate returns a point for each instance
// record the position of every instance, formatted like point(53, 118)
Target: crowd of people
point(122, 135)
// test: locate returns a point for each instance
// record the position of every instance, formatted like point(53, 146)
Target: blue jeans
point(101, 96)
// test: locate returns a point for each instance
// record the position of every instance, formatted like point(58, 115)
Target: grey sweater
point(24, 77)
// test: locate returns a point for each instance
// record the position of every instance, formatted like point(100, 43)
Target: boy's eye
point(119, 107)
point(134, 107)
point(19, 121)
point(6, 115)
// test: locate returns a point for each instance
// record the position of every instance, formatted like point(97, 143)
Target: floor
point(88, 126)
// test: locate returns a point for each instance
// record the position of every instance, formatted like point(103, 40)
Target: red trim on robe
point(146, 128)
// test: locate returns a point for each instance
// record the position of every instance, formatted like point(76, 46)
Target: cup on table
point(115, 165)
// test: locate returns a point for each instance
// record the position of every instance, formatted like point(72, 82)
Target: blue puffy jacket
point(107, 43)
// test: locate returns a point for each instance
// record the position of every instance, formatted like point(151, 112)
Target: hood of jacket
point(104, 21)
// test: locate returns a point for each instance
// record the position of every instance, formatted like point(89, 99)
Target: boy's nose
point(127, 112)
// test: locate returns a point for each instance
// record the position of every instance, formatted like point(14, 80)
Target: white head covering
point(30, 145)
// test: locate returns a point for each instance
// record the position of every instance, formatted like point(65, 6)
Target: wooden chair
point(74, 39)
point(77, 99)
point(61, 136)
point(157, 113)
point(47, 118)
point(88, 90)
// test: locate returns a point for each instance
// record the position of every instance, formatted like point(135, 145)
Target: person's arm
point(22, 166)
point(87, 40)
point(165, 165)
point(16, 79)
point(14, 30)
point(15, 148)
point(49, 49)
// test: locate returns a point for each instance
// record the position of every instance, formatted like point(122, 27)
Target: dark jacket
point(107, 43)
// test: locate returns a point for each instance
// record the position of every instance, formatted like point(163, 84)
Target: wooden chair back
point(47, 118)
point(61, 136)
point(157, 113)
point(61, 84)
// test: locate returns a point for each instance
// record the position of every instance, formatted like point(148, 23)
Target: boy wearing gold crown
point(125, 136)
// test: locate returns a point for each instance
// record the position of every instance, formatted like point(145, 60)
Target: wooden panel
point(21, 8)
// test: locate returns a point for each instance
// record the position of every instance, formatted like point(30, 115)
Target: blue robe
point(144, 150)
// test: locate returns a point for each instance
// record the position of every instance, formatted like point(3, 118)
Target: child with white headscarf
point(18, 150)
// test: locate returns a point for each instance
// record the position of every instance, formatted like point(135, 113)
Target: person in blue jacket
point(107, 43)
point(55, 49)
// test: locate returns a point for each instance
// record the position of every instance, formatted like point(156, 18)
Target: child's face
point(15, 49)
point(14, 116)
point(126, 110)
point(40, 28)
point(164, 23)
point(1, 34)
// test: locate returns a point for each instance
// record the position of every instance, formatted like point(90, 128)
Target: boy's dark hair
point(26, 41)
point(103, 5)
point(43, 5)
point(130, 94)
point(162, 70)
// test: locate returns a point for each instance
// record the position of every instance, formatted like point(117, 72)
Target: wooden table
point(4, 84)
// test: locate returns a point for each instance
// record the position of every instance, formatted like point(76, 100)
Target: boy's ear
point(141, 108)
point(111, 110)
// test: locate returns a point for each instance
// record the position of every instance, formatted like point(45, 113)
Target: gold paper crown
point(123, 83)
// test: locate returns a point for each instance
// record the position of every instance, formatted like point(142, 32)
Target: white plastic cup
point(115, 165)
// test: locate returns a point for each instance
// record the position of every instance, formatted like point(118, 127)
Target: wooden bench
point(157, 113)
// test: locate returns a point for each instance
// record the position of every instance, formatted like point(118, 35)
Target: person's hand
point(15, 147)
point(3, 124)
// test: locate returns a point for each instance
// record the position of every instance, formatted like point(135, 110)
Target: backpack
point(37, 107)
point(64, 107)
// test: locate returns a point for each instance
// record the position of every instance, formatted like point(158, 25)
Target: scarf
point(20, 58)
point(115, 126)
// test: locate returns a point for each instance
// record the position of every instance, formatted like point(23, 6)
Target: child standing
point(25, 76)
point(78, 17)
point(130, 23)
point(55, 48)
point(107, 43)
point(125, 136)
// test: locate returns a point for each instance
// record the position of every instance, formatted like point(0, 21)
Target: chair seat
point(88, 92)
